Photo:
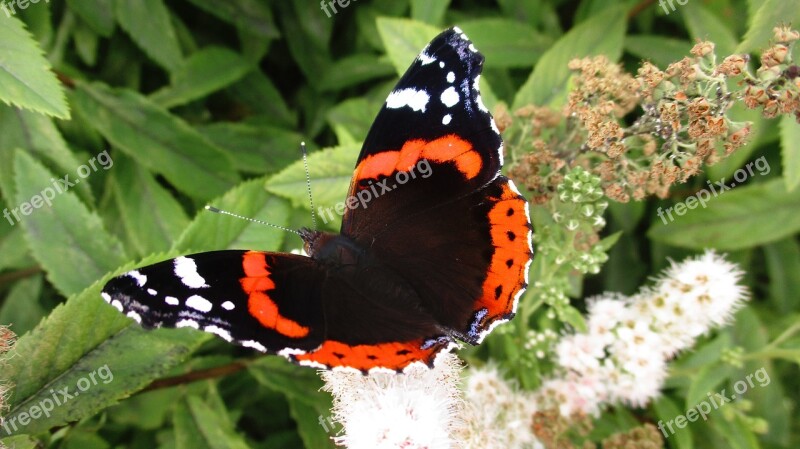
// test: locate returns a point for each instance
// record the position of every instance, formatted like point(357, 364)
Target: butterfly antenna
point(308, 185)
point(224, 212)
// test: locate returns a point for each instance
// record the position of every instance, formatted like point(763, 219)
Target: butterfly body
point(434, 247)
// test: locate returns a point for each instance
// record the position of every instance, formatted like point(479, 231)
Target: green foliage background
point(207, 101)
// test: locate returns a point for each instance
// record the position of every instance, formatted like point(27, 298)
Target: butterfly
point(434, 247)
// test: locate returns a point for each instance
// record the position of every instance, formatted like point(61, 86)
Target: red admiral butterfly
point(443, 257)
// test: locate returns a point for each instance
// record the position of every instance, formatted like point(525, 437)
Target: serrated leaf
point(63, 231)
point(669, 49)
point(330, 171)
point(506, 43)
point(26, 79)
point(81, 337)
point(152, 217)
point(790, 151)
point(14, 250)
point(404, 39)
point(19, 442)
point(255, 149)
point(743, 217)
point(98, 14)
point(602, 34)
point(210, 231)
point(354, 70)
point(148, 24)
point(770, 14)
point(156, 139)
point(204, 72)
point(705, 25)
point(38, 136)
point(253, 16)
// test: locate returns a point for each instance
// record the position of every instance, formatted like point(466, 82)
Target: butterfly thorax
point(331, 249)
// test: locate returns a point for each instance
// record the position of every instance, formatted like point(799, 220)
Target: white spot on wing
point(458, 30)
point(313, 364)
point(253, 344)
point(227, 305)
point(425, 58)
point(187, 323)
point(138, 277)
point(451, 77)
point(218, 331)
point(198, 303)
point(472, 48)
point(171, 300)
point(450, 97)
point(135, 316)
point(441, 64)
point(152, 292)
point(117, 304)
point(446, 119)
point(186, 270)
point(106, 297)
point(415, 99)
point(500, 153)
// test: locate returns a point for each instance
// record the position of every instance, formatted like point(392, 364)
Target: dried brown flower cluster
point(682, 125)
point(7, 340)
point(555, 431)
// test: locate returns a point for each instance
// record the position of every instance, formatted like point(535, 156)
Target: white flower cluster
point(623, 356)
point(496, 414)
point(415, 410)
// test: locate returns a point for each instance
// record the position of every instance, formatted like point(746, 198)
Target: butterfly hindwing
point(267, 301)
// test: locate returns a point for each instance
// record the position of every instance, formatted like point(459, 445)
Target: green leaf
point(429, 11)
point(148, 24)
point(602, 34)
point(404, 39)
point(198, 426)
point(152, 217)
point(790, 151)
point(771, 14)
point(308, 425)
point(255, 149)
point(201, 74)
point(90, 348)
point(86, 43)
point(294, 381)
point(706, 382)
point(307, 33)
point(666, 411)
point(156, 139)
point(506, 43)
point(98, 14)
point(705, 25)
point(330, 171)
point(353, 70)
point(252, 16)
point(352, 119)
point(14, 250)
point(84, 439)
point(210, 231)
point(57, 232)
point(21, 306)
point(783, 268)
point(669, 48)
point(747, 216)
point(19, 442)
point(260, 96)
point(37, 135)
point(26, 79)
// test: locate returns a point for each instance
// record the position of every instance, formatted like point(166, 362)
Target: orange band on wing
point(510, 231)
point(450, 148)
point(394, 356)
point(256, 284)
